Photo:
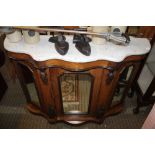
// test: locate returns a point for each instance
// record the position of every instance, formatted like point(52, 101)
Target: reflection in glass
point(33, 93)
point(122, 83)
point(75, 91)
point(29, 81)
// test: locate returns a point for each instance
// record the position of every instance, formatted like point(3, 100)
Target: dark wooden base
point(73, 119)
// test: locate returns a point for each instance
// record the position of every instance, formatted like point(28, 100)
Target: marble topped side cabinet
point(75, 88)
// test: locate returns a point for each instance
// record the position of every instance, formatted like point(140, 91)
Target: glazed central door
point(75, 92)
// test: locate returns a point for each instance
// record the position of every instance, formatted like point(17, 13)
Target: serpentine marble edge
point(45, 50)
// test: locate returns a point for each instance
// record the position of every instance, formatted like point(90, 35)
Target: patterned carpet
point(13, 113)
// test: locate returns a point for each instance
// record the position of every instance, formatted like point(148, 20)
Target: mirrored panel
point(29, 81)
point(75, 92)
point(33, 93)
point(122, 83)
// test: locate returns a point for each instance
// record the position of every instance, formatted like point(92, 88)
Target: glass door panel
point(33, 93)
point(29, 81)
point(122, 84)
point(75, 92)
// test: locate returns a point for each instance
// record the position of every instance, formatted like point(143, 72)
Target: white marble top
point(45, 50)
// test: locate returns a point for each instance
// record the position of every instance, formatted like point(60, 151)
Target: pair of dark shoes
point(82, 44)
point(61, 45)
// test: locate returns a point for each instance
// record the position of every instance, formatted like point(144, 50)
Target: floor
point(14, 115)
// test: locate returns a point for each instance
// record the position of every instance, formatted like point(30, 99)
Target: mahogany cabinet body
point(105, 75)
